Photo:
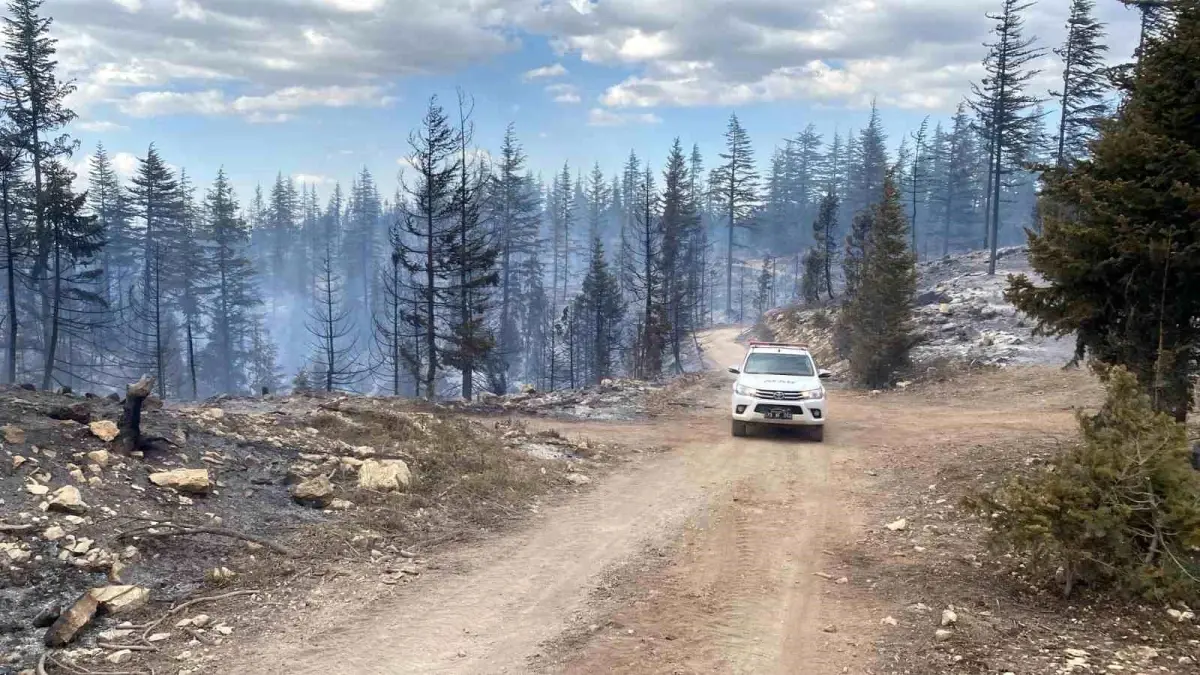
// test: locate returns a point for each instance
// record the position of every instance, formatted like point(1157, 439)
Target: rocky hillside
point(961, 314)
point(245, 500)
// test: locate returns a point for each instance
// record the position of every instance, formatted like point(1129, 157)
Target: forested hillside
point(473, 273)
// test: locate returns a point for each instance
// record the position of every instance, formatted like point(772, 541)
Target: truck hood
point(780, 382)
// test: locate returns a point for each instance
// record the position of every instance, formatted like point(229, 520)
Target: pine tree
point(1001, 103)
point(917, 176)
point(34, 101)
point(734, 186)
point(1084, 85)
point(335, 347)
point(1119, 245)
point(680, 225)
point(826, 244)
point(598, 312)
point(515, 215)
point(14, 202)
point(234, 293)
point(108, 203)
point(868, 165)
point(265, 376)
point(429, 228)
point(76, 240)
point(643, 271)
point(154, 200)
point(471, 263)
point(879, 314)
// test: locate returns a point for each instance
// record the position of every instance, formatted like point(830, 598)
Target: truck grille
point(780, 395)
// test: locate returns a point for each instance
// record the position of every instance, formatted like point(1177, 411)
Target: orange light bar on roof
point(757, 343)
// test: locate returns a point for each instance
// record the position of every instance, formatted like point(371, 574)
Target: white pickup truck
point(778, 383)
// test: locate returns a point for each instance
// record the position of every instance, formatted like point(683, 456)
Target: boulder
point(120, 599)
point(194, 481)
point(36, 489)
point(385, 475)
point(76, 412)
point(99, 457)
point(67, 626)
point(67, 499)
point(105, 430)
point(315, 492)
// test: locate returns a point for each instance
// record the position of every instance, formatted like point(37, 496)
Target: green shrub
point(1120, 509)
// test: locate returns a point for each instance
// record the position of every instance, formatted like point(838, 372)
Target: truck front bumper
point(809, 412)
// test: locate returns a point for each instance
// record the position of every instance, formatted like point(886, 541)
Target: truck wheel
point(739, 428)
point(817, 434)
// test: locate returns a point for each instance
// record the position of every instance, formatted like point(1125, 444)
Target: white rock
point(949, 617)
point(941, 635)
point(889, 621)
point(36, 489)
point(119, 657)
point(67, 499)
point(104, 430)
point(159, 637)
point(898, 526)
point(386, 476)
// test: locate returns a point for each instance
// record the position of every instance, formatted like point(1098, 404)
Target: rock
point(121, 599)
point(77, 476)
point(386, 475)
point(898, 526)
point(76, 412)
point(830, 629)
point(1077, 653)
point(18, 461)
point(314, 492)
point(933, 297)
point(16, 554)
point(193, 481)
point(223, 629)
point(119, 657)
point(67, 499)
point(104, 430)
point(159, 637)
point(47, 617)
point(842, 581)
point(67, 626)
point(212, 414)
point(13, 434)
point(889, 621)
point(53, 533)
point(1181, 616)
point(341, 505)
point(942, 635)
point(219, 575)
point(36, 489)
point(81, 547)
point(949, 618)
point(577, 479)
point(200, 620)
point(99, 457)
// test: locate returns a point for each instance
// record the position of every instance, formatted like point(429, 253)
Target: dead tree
point(130, 427)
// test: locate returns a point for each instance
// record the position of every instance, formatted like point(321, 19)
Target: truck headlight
point(742, 390)
point(814, 394)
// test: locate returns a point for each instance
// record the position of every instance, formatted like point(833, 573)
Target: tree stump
point(130, 425)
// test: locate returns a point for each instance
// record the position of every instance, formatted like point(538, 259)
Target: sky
point(319, 89)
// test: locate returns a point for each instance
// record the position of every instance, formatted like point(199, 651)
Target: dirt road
point(703, 559)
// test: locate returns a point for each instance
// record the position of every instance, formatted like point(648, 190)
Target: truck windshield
point(799, 365)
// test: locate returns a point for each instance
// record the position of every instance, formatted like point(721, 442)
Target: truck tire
point(739, 428)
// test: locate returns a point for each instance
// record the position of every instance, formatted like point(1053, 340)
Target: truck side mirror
point(824, 374)
point(735, 370)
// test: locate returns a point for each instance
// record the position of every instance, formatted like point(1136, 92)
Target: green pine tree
point(1120, 246)
point(879, 314)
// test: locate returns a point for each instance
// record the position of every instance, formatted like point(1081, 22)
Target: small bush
point(1120, 509)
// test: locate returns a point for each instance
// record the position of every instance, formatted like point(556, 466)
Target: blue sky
point(320, 88)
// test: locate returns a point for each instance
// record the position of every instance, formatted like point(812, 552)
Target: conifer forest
point(472, 273)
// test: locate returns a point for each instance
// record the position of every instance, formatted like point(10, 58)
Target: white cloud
point(564, 93)
point(353, 5)
point(601, 117)
point(100, 126)
point(269, 108)
point(545, 72)
point(919, 54)
point(116, 55)
point(125, 164)
point(313, 179)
